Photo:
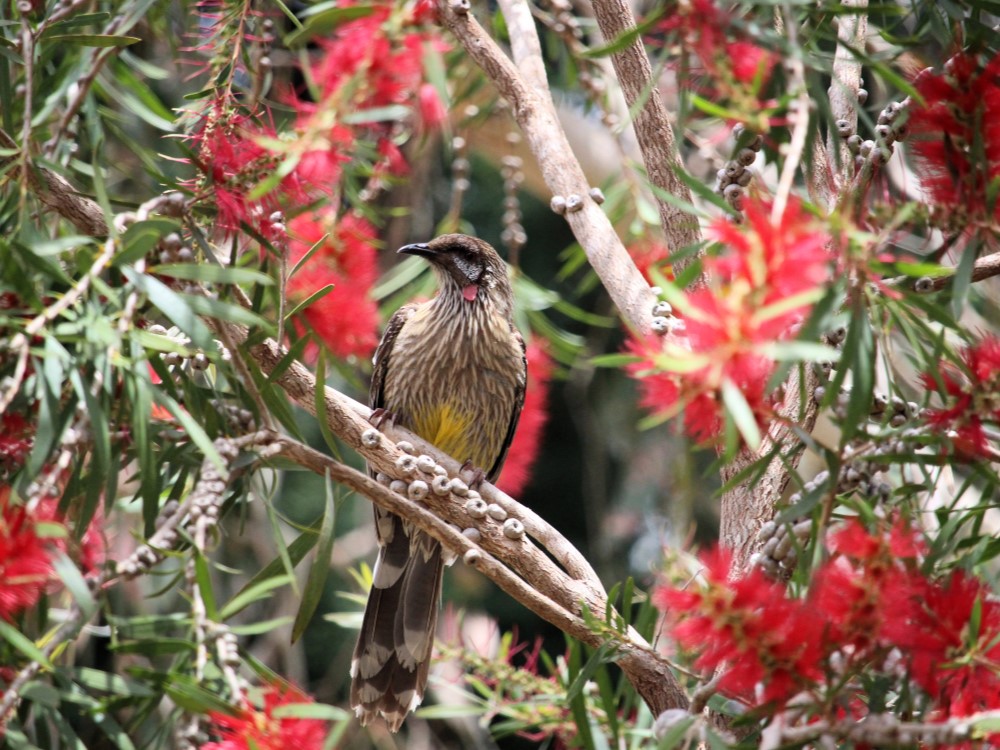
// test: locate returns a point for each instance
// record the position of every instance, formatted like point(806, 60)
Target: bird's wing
point(515, 412)
point(380, 362)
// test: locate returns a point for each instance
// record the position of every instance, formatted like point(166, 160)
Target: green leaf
point(318, 294)
point(800, 351)
point(677, 732)
point(312, 711)
point(297, 550)
point(203, 578)
point(41, 693)
point(193, 429)
point(23, 644)
point(106, 682)
point(251, 594)
point(93, 40)
point(741, 413)
point(316, 582)
point(176, 308)
point(319, 398)
point(264, 626)
point(391, 113)
point(194, 698)
point(322, 21)
point(140, 238)
point(75, 584)
point(212, 273)
point(60, 245)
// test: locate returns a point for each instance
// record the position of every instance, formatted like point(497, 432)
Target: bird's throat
point(470, 292)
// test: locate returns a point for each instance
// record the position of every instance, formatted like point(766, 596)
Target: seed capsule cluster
point(735, 176)
point(422, 475)
point(202, 506)
point(890, 127)
point(196, 361)
point(664, 321)
point(512, 234)
point(780, 544)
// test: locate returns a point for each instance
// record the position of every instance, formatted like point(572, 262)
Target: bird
point(453, 370)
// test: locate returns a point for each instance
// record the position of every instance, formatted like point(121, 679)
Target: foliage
point(251, 166)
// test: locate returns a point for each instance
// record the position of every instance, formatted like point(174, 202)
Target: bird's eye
point(470, 266)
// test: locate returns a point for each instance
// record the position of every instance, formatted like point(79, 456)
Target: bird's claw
point(472, 475)
point(380, 417)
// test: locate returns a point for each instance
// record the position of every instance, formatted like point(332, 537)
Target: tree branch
point(58, 195)
point(846, 82)
point(652, 126)
point(562, 172)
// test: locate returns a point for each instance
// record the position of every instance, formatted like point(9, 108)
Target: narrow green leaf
point(741, 413)
point(23, 644)
point(93, 40)
point(316, 582)
point(106, 682)
point(312, 711)
point(71, 577)
point(251, 594)
point(297, 550)
point(193, 429)
point(173, 306)
point(212, 273)
point(203, 578)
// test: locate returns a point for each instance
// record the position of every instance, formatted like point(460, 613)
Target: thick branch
point(885, 730)
point(59, 196)
point(563, 175)
point(984, 268)
point(652, 126)
point(846, 81)
point(748, 506)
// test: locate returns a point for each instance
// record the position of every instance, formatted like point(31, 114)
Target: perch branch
point(553, 600)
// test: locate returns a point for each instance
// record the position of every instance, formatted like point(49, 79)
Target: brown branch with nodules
point(536, 117)
point(653, 130)
point(984, 268)
point(57, 194)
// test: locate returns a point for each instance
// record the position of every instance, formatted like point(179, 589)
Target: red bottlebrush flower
point(524, 447)
point(763, 640)
point(234, 161)
point(259, 729)
point(25, 557)
point(647, 254)
point(383, 70)
point(772, 262)
point(763, 285)
point(956, 140)
point(432, 110)
point(748, 62)
point(973, 395)
point(727, 56)
point(346, 319)
point(952, 655)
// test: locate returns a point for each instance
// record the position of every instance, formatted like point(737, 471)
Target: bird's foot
point(472, 475)
point(381, 417)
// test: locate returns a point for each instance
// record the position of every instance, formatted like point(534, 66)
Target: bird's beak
point(420, 249)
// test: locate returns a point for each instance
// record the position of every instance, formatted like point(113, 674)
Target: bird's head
point(467, 267)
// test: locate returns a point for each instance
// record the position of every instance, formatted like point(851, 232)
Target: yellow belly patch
point(448, 428)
